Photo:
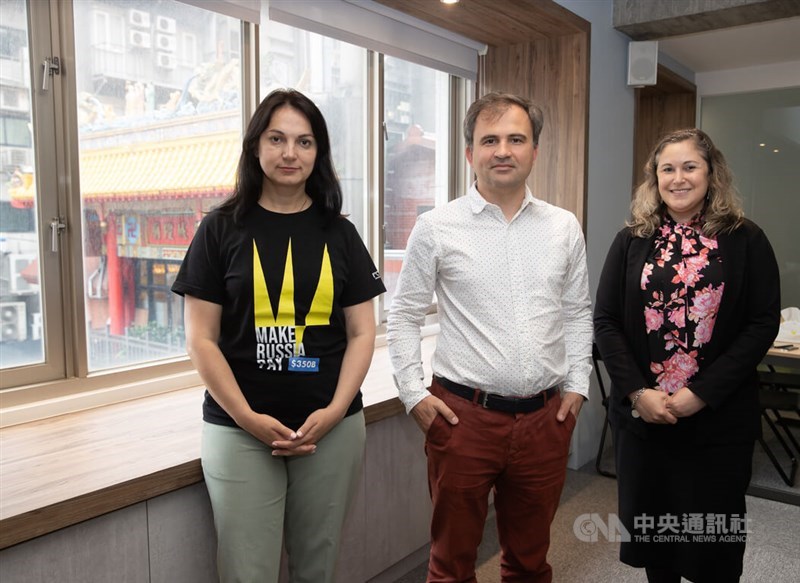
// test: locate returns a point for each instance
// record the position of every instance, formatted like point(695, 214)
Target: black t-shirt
point(282, 281)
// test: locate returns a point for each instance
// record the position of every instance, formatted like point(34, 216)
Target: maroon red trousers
point(523, 458)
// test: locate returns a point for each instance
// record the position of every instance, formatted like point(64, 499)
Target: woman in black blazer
point(687, 305)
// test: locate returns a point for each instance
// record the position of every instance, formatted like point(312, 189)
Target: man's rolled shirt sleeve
point(412, 299)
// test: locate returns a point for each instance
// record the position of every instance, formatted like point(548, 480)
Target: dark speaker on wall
point(642, 63)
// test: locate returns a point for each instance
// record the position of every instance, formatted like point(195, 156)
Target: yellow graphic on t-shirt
point(277, 335)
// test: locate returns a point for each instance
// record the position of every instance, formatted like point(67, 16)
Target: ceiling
point(514, 21)
point(510, 21)
point(763, 43)
point(496, 22)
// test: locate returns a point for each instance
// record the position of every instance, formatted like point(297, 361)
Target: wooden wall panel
point(553, 73)
point(496, 22)
point(668, 105)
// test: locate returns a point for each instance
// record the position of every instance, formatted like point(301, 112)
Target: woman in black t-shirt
point(280, 326)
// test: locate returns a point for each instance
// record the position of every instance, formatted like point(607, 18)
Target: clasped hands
point(288, 442)
point(655, 406)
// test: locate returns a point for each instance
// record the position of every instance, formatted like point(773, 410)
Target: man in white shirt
point(513, 356)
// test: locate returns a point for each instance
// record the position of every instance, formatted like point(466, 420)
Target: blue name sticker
point(303, 364)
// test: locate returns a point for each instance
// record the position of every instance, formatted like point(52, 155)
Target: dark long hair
point(322, 185)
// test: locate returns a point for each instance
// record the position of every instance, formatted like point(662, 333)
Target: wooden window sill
point(61, 471)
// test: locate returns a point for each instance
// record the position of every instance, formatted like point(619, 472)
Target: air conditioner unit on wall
point(165, 60)
point(165, 24)
point(13, 324)
point(165, 42)
point(139, 18)
point(14, 99)
point(139, 39)
point(17, 263)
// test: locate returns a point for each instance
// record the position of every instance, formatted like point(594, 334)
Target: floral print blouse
point(682, 289)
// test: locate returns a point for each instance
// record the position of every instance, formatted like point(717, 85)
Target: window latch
point(57, 226)
point(50, 66)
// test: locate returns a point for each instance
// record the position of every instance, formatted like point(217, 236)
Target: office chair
point(596, 359)
point(779, 392)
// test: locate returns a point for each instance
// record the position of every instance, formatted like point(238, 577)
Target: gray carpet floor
point(773, 549)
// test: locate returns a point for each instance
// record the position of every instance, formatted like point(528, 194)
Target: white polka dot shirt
point(513, 300)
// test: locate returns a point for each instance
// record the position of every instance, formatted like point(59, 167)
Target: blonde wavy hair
point(723, 211)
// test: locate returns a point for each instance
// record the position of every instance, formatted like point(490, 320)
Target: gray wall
point(609, 175)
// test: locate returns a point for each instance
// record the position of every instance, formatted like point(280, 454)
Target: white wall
point(761, 78)
point(676, 67)
point(609, 175)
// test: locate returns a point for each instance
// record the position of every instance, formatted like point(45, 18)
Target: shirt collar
point(477, 203)
point(696, 222)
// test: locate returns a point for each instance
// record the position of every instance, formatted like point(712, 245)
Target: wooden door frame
point(668, 105)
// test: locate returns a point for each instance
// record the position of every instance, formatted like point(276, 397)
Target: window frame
point(45, 126)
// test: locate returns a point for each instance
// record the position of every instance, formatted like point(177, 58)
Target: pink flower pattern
point(648, 269)
point(664, 257)
point(682, 289)
point(710, 243)
point(675, 372)
point(678, 317)
point(653, 319)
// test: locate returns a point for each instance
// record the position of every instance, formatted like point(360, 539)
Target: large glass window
point(334, 75)
point(159, 141)
point(412, 139)
point(115, 147)
point(416, 154)
point(21, 331)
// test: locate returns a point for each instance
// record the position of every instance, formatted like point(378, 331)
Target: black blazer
point(746, 325)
